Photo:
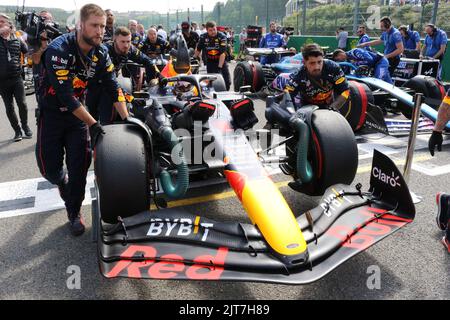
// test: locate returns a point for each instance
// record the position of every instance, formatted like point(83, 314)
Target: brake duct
point(158, 121)
point(276, 113)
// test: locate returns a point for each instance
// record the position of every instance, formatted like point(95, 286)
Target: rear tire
point(248, 74)
point(430, 87)
point(122, 172)
point(354, 110)
point(333, 152)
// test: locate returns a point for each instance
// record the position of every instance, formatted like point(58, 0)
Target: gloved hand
point(95, 131)
point(435, 141)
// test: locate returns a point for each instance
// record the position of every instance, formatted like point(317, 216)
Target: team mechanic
point(366, 59)
point(442, 199)
point(99, 101)
point(154, 46)
point(319, 81)
point(70, 62)
point(214, 43)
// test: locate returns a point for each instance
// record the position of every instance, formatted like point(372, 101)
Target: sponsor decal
point(59, 60)
point(368, 234)
point(213, 52)
point(389, 179)
point(77, 83)
point(178, 227)
point(171, 265)
point(333, 203)
point(62, 73)
point(340, 80)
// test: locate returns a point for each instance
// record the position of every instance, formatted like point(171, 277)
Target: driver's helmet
point(183, 89)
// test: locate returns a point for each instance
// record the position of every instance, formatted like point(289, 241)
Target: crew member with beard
point(99, 101)
point(65, 126)
point(318, 81)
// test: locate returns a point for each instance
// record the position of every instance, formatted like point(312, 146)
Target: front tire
point(333, 152)
point(122, 172)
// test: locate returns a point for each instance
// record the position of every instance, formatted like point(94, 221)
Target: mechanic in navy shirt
point(271, 40)
point(363, 37)
point(393, 43)
point(319, 81)
point(214, 45)
point(361, 57)
point(435, 45)
point(442, 199)
point(411, 39)
point(65, 127)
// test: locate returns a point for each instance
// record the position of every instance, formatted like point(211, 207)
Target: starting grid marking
point(18, 198)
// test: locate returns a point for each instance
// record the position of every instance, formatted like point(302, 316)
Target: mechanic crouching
point(99, 100)
point(442, 199)
point(319, 81)
point(70, 62)
point(366, 59)
point(214, 43)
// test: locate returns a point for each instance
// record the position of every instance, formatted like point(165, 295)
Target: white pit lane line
point(34, 196)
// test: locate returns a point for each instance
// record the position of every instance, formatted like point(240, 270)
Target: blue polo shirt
point(391, 38)
point(364, 38)
point(272, 40)
point(435, 42)
point(412, 40)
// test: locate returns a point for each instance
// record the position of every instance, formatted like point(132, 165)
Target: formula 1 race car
point(372, 91)
point(277, 246)
point(252, 73)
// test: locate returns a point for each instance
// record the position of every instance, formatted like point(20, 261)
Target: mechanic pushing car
point(393, 43)
point(319, 81)
point(214, 43)
point(99, 102)
point(71, 61)
point(366, 59)
point(271, 40)
point(442, 199)
point(154, 46)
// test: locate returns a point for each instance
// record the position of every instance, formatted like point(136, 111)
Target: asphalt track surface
point(36, 249)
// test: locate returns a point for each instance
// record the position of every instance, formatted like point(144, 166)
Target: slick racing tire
point(248, 73)
point(219, 84)
point(122, 172)
point(430, 87)
point(354, 110)
point(333, 152)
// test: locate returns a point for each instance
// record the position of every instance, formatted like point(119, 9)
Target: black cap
point(185, 25)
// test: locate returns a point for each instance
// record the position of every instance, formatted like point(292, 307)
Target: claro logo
point(391, 180)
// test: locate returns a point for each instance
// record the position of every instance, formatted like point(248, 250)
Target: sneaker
point(76, 225)
point(443, 216)
point(18, 136)
point(28, 132)
point(446, 243)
